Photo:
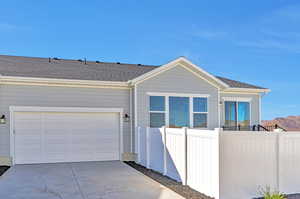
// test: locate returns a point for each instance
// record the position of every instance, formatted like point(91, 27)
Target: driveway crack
point(77, 182)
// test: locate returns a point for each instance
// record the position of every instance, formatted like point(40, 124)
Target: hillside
point(291, 123)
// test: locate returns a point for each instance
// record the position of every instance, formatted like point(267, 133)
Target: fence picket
point(184, 180)
point(148, 147)
point(165, 150)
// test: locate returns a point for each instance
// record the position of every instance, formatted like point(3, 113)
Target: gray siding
point(176, 80)
point(255, 109)
point(11, 95)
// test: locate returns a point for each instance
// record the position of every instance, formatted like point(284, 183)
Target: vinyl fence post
point(184, 177)
point(148, 143)
point(165, 150)
point(218, 159)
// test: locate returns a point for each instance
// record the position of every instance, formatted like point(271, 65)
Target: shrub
point(268, 194)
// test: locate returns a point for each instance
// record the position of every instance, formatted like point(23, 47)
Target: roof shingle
point(237, 84)
point(78, 70)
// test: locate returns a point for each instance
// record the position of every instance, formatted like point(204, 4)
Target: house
point(58, 110)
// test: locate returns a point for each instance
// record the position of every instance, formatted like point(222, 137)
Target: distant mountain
point(290, 123)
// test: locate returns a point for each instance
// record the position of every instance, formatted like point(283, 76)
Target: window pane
point(179, 112)
point(200, 104)
point(200, 120)
point(230, 114)
point(157, 120)
point(157, 103)
point(244, 113)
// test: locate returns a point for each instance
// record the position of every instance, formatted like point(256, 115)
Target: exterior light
point(126, 117)
point(2, 119)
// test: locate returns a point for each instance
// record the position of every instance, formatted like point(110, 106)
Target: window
point(243, 113)
point(179, 111)
point(230, 114)
point(200, 112)
point(157, 111)
point(237, 113)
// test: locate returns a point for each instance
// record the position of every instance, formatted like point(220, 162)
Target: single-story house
point(60, 110)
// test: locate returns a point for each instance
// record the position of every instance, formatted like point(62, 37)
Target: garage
point(50, 135)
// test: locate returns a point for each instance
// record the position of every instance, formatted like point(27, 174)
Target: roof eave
point(54, 81)
point(250, 90)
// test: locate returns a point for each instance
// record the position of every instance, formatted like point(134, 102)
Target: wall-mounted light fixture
point(2, 119)
point(126, 117)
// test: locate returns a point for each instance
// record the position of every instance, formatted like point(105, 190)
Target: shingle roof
point(237, 84)
point(70, 69)
point(74, 69)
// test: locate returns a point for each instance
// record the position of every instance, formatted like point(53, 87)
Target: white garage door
point(45, 137)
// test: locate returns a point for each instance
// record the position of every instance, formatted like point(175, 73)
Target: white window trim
point(13, 109)
point(237, 99)
point(191, 106)
point(164, 112)
point(237, 106)
point(177, 94)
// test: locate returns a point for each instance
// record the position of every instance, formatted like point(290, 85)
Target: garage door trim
point(14, 109)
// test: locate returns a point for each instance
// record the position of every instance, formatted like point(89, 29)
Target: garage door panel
point(26, 156)
point(106, 157)
point(47, 137)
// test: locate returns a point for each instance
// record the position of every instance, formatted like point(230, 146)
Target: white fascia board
point(204, 72)
point(156, 71)
point(60, 82)
point(246, 90)
point(172, 64)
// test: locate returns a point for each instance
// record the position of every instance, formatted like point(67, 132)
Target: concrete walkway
point(88, 180)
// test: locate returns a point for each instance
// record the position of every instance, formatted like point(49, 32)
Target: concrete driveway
point(88, 180)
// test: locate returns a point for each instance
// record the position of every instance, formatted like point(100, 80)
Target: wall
point(11, 95)
point(176, 80)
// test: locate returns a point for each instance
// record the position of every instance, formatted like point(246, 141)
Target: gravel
point(3, 169)
point(183, 190)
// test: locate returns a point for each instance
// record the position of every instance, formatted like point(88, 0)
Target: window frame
point(191, 106)
point(237, 100)
point(164, 112)
point(207, 107)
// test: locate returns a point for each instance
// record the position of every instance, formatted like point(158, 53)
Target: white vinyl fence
point(223, 164)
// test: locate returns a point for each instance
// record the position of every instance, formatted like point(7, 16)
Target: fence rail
point(223, 164)
point(253, 128)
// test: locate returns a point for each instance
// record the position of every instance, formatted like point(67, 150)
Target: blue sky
point(253, 41)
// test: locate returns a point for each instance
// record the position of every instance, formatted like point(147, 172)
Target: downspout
point(219, 109)
point(130, 113)
point(133, 105)
point(260, 97)
point(135, 114)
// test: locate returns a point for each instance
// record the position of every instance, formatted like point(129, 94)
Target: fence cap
point(219, 129)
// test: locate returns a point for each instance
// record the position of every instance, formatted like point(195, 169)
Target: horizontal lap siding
point(176, 80)
point(11, 95)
